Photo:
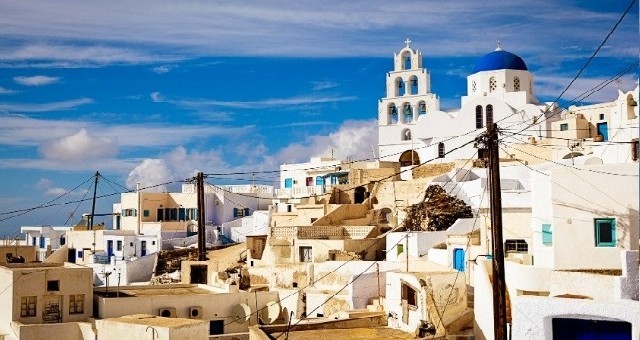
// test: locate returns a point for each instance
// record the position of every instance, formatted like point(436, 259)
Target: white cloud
point(266, 103)
point(354, 138)
point(6, 91)
point(162, 69)
point(278, 27)
point(179, 164)
point(156, 97)
point(36, 80)
point(151, 174)
point(552, 86)
point(45, 107)
point(49, 189)
point(323, 85)
point(79, 146)
point(44, 183)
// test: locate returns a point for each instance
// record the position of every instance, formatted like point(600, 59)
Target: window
point(53, 285)
point(306, 254)
point(145, 213)
point(605, 229)
point(62, 240)
point(493, 84)
point(309, 181)
point(516, 246)
point(602, 116)
point(319, 180)
point(119, 245)
point(441, 152)
point(489, 114)
point(409, 294)
point(634, 149)
point(479, 117)
point(240, 212)
point(192, 213)
point(129, 212)
point(400, 249)
point(28, 306)
point(160, 214)
point(474, 87)
point(406, 134)
point(76, 304)
point(516, 84)
point(564, 126)
point(547, 236)
point(423, 108)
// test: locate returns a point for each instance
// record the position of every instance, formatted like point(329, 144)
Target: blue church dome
point(500, 60)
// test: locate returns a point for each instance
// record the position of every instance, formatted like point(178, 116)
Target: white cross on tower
point(407, 42)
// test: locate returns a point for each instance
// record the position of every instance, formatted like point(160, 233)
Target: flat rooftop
point(155, 321)
point(162, 290)
point(348, 334)
point(40, 265)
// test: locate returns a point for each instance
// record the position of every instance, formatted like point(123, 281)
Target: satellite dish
point(241, 313)
point(270, 313)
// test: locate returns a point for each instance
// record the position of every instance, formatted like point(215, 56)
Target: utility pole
point(489, 142)
point(202, 245)
point(93, 210)
point(93, 207)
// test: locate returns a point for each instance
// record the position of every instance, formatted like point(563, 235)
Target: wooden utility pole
point(499, 286)
point(93, 207)
point(202, 245)
point(489, 141)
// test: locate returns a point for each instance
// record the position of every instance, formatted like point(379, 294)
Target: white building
point(413, 129)
point(311, 178)
point(46, 238)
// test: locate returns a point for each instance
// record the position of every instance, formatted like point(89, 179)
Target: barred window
point(493, 84)
point(516, 246)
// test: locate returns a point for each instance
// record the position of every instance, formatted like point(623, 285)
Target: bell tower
point(408, 99)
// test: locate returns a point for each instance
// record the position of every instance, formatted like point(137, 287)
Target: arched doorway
point(409, 158)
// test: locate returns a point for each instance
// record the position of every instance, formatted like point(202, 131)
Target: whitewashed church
point(413, 129)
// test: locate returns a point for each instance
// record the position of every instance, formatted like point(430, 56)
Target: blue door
point(458, 259)
point(110, 248)
point(603, 131)
point(42, 242)
point(288, 182)
point(143, 248)
point(571, 329)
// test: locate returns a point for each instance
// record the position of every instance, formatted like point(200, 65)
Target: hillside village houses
point(333, 243)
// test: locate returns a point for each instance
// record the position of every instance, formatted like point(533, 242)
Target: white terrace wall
point(532, 316)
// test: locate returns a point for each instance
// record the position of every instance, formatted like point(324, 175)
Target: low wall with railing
point(323, 232)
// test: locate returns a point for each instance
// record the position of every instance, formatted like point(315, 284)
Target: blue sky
point(152, 91)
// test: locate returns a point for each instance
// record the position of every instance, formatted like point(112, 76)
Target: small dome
point(500, 60)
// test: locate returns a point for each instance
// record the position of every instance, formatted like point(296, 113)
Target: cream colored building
point(223, 312)
point(36, 295)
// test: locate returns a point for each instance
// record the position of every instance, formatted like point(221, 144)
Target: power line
point(585, 65)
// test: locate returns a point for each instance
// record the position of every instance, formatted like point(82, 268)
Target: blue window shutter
point(235, 212)
point(547, 235)
point(246, 211)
